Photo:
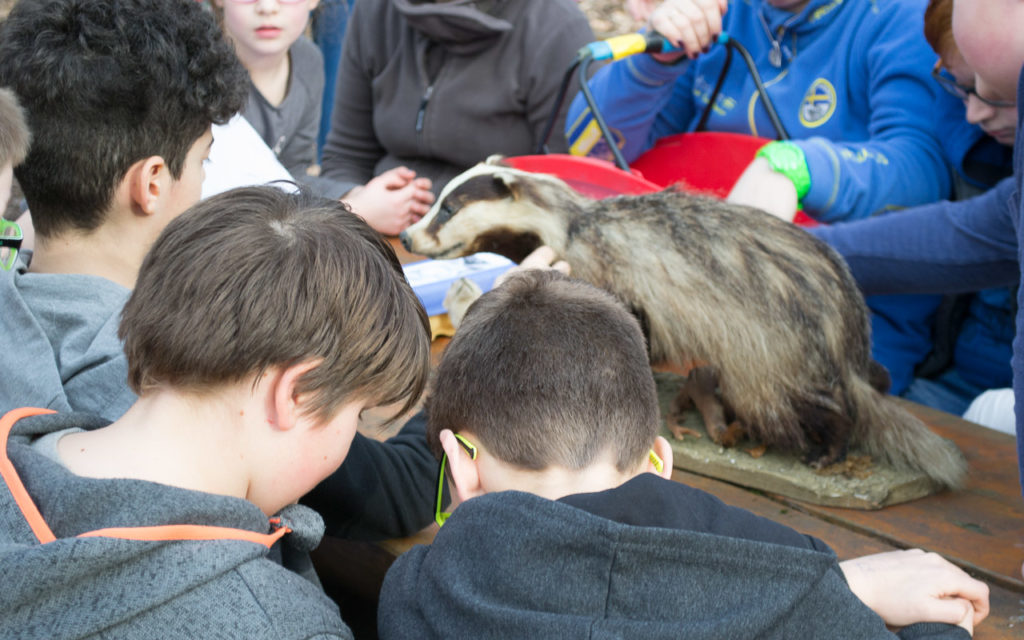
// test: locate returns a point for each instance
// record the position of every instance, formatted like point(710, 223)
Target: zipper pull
point(423, 108)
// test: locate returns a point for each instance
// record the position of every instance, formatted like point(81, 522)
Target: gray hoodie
point(114, 586)
point(60, 347)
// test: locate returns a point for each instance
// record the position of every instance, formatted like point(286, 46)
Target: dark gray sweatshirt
point(649, 559)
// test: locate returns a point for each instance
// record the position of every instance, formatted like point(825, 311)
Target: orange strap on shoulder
point(188, 532)
point(10, 475)
point(165, 532)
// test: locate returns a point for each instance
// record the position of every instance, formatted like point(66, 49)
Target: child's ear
point(284, 403)
point(463, 469)
point(664, 451)
point(147, 181)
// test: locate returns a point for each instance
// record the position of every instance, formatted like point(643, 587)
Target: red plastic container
point(590, 176)
point(707, 162)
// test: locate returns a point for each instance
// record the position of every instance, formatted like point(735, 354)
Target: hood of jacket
point(75, 586)
point(461, 26)
point(521, 566)
point(61, 349)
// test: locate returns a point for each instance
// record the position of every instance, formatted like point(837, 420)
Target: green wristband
point(789, 160)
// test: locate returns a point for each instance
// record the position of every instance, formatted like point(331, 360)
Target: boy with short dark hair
point(545, 413)
point(157, 525)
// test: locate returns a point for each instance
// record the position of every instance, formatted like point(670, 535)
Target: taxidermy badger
point(772, 310)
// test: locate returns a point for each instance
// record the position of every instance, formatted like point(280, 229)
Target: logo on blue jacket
point(818, 104)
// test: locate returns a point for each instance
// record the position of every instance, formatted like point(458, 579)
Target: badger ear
point(511, 180)
point(496, 160)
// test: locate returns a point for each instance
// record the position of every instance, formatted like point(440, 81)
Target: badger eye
point(444, 213)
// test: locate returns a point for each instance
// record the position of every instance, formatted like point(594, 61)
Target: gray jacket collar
point(461, 26)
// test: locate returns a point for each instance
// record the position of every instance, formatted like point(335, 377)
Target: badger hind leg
point(700, 390)
point(827, 429)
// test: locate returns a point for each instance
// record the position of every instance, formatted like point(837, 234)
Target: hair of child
point(546, 370)
point(938, 27)
point(14, 135)
point(104, 84)
point(256, 277)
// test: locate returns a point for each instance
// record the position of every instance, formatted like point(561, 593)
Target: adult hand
point(392, 201)
point(762, 187)
point(543, 257)
point(690, 25)
point(904, 587)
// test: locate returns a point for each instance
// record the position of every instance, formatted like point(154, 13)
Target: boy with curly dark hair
point(119, 96)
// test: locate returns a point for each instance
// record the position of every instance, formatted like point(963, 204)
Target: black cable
point(714, 94)
point(620, 161)
point(542, 144)
point(780, 129)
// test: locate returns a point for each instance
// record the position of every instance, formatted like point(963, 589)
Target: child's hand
point(543, 257)
point(392, 201)
point(904, 587)
point(690, 25)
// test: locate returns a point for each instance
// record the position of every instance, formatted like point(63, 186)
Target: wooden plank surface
point(980, 528)
point(1006, 619)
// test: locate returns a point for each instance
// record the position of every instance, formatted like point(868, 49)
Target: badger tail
point(888, 431)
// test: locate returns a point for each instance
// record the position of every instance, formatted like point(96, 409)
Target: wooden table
point(980, 528)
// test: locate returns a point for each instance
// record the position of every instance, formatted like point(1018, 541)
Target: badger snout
point(406, 240)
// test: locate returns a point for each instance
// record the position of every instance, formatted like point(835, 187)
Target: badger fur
point(773, 310)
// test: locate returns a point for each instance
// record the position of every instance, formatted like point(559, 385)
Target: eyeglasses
point(10, 243)
point(441, 516)
point(948, 82)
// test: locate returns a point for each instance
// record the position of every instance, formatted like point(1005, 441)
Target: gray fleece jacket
point(112, 585)
point(60, 344)
point(439, 86)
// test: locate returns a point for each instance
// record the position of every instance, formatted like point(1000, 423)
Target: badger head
point(493, 207)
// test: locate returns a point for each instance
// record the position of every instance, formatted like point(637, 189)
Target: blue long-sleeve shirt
point(853, 90)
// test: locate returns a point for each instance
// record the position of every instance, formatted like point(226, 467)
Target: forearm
point(556, 46)
point(352, 150)
point(630, 94)
point(851, 181)
point(945, 247)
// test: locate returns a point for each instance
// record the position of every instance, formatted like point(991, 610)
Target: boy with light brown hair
point(545, 414)
point(251, 374)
